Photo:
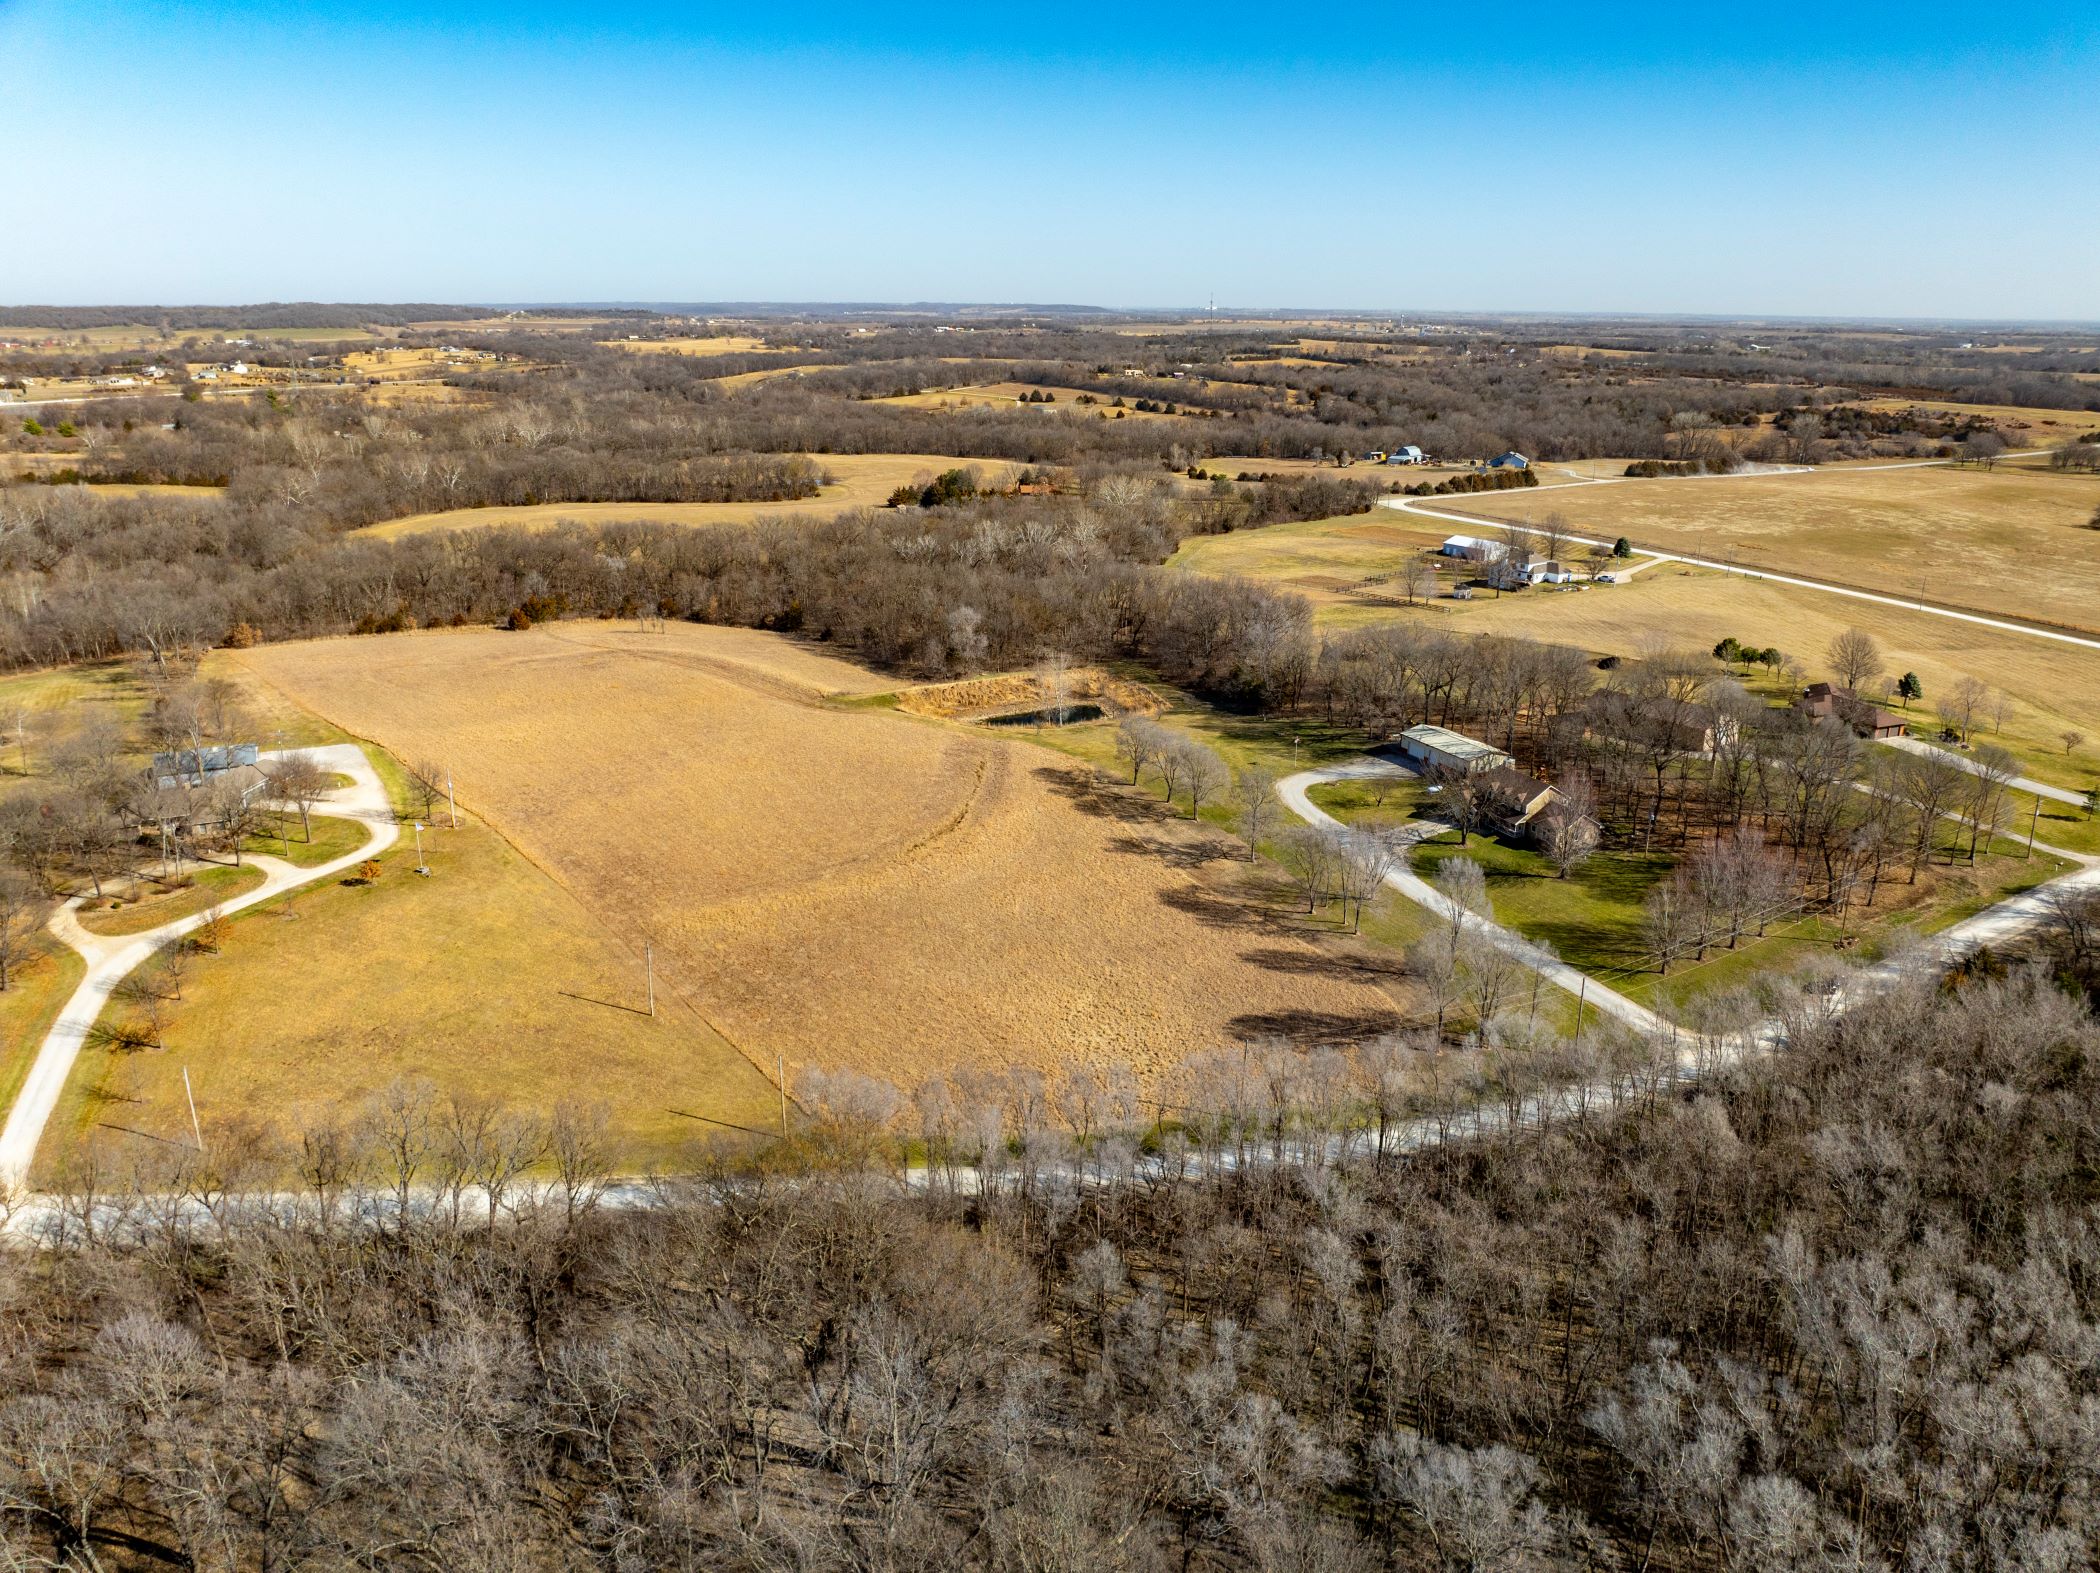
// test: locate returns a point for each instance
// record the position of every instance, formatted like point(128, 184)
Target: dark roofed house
point(1819, 700)
point(201, 764)
point(1514, 799)
point(1512, 460)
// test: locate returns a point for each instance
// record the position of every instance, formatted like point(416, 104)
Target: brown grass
point(860, 480)
point(1327, 561)
point(2009, 540)
point(844, 885)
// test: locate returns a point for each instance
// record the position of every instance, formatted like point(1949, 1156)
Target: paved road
point(111, 960)
point(2056, 794)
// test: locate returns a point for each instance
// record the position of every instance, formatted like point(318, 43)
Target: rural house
point(1408, 455)
point(198, 765)
point(1864, 717)
point(1473, 549)
point(1509, 461)
point(1513, 799)
point(1433, 746)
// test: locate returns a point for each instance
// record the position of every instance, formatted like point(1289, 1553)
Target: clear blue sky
point(1839, 159)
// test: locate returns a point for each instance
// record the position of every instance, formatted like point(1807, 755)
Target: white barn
point(1474, 549)
point(1430, 746)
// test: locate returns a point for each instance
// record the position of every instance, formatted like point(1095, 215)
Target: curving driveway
point(1992, 926)
point(111, 959)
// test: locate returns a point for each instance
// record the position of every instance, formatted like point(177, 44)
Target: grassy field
point(1007, 396)
point(486, 979)
point(746, 379)
point(1593, 918)
point(2010, 540)
point(718, 344)
point(844, 884)
point(37, 991)
point(2054, 686)
point(860, 480)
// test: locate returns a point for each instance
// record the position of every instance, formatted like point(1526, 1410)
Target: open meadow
point(486, 981)
point(2010, 540)
point(859, 480)
point(835, 883)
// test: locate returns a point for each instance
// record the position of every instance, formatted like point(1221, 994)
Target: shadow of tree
point(1311, 1028)
point(1353, 967)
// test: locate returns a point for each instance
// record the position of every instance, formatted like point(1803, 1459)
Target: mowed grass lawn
point(486, 979)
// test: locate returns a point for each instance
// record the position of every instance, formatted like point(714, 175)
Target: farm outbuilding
point(1473, 549)
point(1433, 746)
point(1509, 461)
point(1408, 455)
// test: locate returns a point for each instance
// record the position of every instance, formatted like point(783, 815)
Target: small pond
point(1054, 715)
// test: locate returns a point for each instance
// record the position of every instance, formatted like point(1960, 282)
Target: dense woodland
point(1835, 1307)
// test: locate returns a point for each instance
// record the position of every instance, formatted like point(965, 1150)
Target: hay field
point(843, 885)
point(746, 379)
point(859, 480)
point(2009, 541)
point(1007, 396)
point(720, 344)
point(2024, 426)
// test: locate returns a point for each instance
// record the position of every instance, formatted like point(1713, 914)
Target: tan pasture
point(1008, 395)
point(2009, 540)
point(2024, 426)
point(860, 480)
point(747, 379)
point(719, 344)
point(842, 885)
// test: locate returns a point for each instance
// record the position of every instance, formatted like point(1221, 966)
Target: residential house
point(1513, 799)
point(1509, 461)
point(1868, 719)
point(1432, 747)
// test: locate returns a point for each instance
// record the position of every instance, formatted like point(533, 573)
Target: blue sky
point(1842, 160)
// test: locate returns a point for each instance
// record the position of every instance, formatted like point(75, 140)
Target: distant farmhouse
point(1408, 455)
point(1863, 716)
point(1473, 549)
point(1509, 461)
point(1433, 746)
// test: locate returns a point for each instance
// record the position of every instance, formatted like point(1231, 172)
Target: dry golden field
point(746, 379)
point(1007, 396)
point(859, 480)
point(486, 980)
point(719, 344)
point(835, 883)
point(2009, 540)
point(2023, 426)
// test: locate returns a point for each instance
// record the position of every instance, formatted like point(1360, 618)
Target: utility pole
point(196, 1130)
point(451, 802)
point(422, 867)
point(649, 967)
point(780, 1076)
point(2033, 820)
point(1582, 994)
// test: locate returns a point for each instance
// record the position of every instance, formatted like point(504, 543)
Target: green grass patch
point(332, 837)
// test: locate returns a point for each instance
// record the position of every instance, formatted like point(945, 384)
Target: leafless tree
point(1254, 791)
point(299, 783)
point(1855, 658)
point(23, 908)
